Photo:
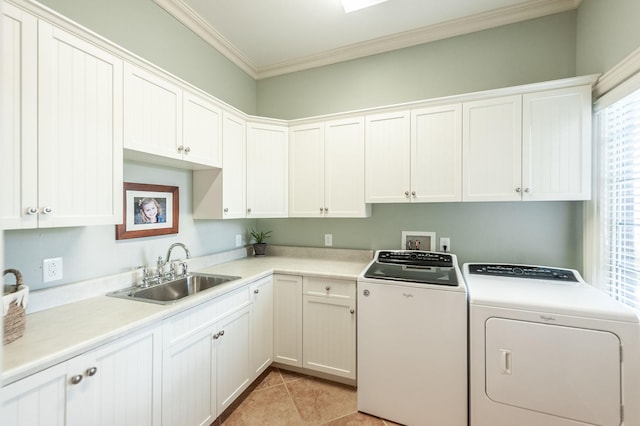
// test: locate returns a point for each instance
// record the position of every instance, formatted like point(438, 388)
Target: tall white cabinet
point(326, 169)
point(63, 143)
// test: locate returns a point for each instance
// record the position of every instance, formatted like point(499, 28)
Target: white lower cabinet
point(329, 326)
point(287, 319)
point(207, 360)
point(262, 325)
point(315, 324)
point(116, 384)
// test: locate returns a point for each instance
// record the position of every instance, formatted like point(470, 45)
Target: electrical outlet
point(328, 239)
point(238, 240)
point(445, 244)
point(51, 269)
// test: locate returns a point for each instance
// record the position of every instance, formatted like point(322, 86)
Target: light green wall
point(145, 29)
point(608, 31)
point(527, 52)
point(92, 251)
point(548, 233)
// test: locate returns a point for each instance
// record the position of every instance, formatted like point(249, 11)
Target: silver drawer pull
point(76, 379)
point(91, 371)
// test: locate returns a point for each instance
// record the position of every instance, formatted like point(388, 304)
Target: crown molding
point(452, 28)
point(183, 13)
point(618, 74)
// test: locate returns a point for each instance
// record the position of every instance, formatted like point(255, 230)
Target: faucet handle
point(185, 270)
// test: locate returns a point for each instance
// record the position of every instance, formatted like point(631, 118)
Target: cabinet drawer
point(328, 287)
point(199, 317)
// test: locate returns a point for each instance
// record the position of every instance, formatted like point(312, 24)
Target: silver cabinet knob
point(216, 336)
point(366, 293)
point(248, 210)
point(406, 193)
point(527, 190)
point(47, 210)
point(181, 148)
point(91, 371)
point(221, 332)
point(328, 288)
point(518, 190)
point(326, 209)
point(321, 210)
point(352, 311)
point(32, 210)
point(256, 291)
point(226, 210)
point(187, 150)
point(76, 379)
point(413, 193)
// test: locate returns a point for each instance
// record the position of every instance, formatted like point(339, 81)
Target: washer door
point(567, 372)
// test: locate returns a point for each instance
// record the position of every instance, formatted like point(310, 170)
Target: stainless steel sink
point(172, 291)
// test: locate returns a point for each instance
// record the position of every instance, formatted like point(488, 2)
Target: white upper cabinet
point(492, 147)
point(436, 154)
point(387, 158)
point(62, 129)
point(267, 170)
point(556, 144)
point(169, 125)
point(306, 170)
point(326, 169)
point(221, 193)
point(19, 130)
point(201, 130)
point(344, 168)
point(153, 114)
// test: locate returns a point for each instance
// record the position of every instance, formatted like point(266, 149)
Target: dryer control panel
point(523, 271)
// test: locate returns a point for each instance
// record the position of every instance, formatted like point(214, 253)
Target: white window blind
point(621, 199)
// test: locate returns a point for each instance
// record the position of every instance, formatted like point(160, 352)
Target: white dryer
point(545, 348)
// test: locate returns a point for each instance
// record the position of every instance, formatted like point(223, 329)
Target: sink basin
point(175, 290)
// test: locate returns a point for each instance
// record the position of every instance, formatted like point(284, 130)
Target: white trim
point(620, 72)
point(482, 21)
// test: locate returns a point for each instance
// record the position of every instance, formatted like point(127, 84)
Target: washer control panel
point(414, 257)
point(523, 271)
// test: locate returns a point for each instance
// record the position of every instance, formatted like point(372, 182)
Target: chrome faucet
point(162, 263)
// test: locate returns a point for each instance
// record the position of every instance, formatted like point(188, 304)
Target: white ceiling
point(272, 37)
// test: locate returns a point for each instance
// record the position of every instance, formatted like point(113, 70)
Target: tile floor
point(280, 397)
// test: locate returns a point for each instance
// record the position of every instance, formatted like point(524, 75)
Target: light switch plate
point(328, 239)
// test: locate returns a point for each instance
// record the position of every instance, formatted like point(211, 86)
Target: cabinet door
point(267, 171)
point(329, 335)
point(234, 167)
point(80, 131)
point(492, 145)
point(120, 384)
point(152, 113)
point(344, 168)
point(306, 170)
point(387, 158)
point(287, 319)
point(188, 381)
point(262, 325)
point(19, 109)
point(37, 400)
point(556, 157)
point(201, 131)
point(233, 353)
point(436, 154)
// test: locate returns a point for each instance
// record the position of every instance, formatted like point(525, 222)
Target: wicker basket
point(14, 323)
point(14, 304)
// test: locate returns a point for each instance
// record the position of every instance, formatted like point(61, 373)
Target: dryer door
point(567, 372)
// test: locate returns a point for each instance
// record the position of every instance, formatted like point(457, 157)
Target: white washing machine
point(545, 348)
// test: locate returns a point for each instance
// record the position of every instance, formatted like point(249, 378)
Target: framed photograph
point(418, 240)
point(149, 210)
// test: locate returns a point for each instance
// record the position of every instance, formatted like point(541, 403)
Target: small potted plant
point(259, 238)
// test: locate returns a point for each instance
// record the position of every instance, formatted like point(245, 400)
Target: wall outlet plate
point(238, 240)
point(445, 244)
point(51, 269)
point(328, 239)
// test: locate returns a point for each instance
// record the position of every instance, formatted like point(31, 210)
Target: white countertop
point(57, 334)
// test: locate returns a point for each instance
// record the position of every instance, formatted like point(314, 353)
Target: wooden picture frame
point(148, 210)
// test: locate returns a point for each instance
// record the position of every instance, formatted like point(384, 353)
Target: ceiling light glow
point(353, 5)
